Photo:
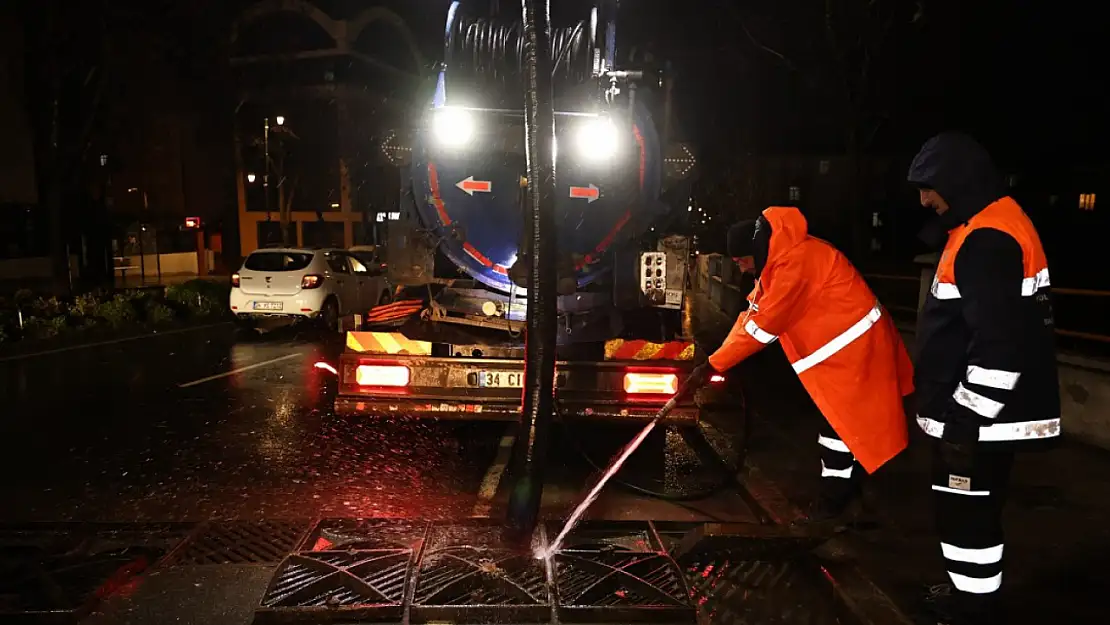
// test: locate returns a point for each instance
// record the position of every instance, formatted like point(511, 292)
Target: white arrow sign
point(470, 185)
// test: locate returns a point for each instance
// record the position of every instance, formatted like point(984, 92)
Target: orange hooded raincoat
point(839, 340)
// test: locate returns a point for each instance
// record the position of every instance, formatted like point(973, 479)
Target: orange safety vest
point(839, 340)
point(1034, 416)
point(1007, 216)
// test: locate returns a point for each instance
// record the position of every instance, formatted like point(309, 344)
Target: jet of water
point(614, 466)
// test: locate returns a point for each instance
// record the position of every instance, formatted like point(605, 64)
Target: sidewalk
point(1057, 518)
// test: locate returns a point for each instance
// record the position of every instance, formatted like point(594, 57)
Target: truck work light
point(598, 139)
point(452, 127)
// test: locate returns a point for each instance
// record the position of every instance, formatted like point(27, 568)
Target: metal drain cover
point(621, 586)
point(58, 574)
point(338, 585)
point(466, 575)
point(241, 542)
point(752, 592)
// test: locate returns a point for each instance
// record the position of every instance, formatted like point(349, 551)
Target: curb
point(17, 354)
point(863, 601)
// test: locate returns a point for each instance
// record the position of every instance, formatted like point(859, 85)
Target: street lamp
point(142, 229)
point(251, 177)
point(280, 119)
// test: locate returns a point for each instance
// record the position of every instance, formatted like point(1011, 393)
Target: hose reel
point(486, 55)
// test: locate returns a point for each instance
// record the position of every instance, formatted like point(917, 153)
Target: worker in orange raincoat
point(839, 340)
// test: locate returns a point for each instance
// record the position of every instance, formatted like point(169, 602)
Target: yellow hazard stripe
point(619, 349)
point(393, 343)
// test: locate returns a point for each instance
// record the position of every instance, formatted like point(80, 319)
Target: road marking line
point(264, 363)
point(111, 342)
point(492, 479)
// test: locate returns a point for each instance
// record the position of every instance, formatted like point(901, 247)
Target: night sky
point(753, 77)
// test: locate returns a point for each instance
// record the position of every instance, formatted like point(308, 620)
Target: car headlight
point(452, 127)
point(598, 139)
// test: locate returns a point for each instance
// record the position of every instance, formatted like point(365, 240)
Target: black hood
point(961, 171)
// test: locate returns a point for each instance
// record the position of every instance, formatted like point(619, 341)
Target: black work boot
point(941, 606)
point(827, 514)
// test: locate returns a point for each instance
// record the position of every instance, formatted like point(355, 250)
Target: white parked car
point(321, 284)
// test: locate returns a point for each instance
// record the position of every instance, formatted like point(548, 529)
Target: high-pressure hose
point(538, 410)
point(485, 49)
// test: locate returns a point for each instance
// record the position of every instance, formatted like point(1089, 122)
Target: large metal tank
point(470, 195)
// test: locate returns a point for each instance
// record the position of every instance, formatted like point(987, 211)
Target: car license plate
point(267, 305)
point(501, 379)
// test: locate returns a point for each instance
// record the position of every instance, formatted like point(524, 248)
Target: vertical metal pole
point(142, 256)
point(157, 251)
point(266, 171)
point(539, 351)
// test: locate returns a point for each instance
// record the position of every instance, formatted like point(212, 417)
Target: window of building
point(795, 194)
point(823, 167)
point(1087, 201)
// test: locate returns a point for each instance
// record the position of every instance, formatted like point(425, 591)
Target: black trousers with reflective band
point(841, 475)
point(969, 506)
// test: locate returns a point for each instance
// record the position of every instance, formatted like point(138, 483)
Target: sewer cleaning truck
point(451, 343)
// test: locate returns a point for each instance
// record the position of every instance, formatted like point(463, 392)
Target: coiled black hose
point(488, 52)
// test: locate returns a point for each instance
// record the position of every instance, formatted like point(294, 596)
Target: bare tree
point(842, 51)
point(67, 54)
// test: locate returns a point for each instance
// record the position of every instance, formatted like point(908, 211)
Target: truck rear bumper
point(441, 408)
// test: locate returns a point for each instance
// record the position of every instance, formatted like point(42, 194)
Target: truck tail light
point(234, 280)
point(311, 281)
point(650, 383)
point(382, 375)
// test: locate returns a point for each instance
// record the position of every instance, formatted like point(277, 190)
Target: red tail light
point(650, 383)
point(382, 375)
point(234, 280)
point(311, 281)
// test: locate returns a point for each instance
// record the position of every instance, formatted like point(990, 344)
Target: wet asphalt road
point(207, 423)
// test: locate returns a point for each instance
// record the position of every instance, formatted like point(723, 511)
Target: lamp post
point(142, 229)
point(280, 121)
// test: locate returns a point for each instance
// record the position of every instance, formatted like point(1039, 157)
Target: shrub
point(159, 313)
point(117, 312)
point(45, 327)
point(200, 297)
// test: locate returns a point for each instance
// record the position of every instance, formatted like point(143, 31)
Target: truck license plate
point(501, 379)
point(267, 305)
point(674, 297)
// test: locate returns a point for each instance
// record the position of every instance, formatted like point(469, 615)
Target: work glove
point(699, 375)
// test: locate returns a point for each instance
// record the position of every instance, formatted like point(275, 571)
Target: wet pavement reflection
point(211, 423)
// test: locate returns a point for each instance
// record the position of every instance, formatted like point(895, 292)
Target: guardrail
point(728, 289)
point(1089, 336)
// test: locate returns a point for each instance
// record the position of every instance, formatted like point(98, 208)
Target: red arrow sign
point(470, 186)
point(590, 193)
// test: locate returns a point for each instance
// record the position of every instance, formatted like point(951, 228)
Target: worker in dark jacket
point(986, 364)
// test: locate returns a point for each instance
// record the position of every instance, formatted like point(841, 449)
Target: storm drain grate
point(609, 580)
point(364, 534)
point(59, 574)
point(467, 575)
point(750, 592)
point(338, 585)
point(240, 542)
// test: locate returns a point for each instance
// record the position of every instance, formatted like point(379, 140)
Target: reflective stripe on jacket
point(986, 366)
point(844, 347)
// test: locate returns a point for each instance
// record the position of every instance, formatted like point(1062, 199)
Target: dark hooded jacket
point(986, 364)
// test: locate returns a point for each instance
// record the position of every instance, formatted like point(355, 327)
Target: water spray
point(576, 516)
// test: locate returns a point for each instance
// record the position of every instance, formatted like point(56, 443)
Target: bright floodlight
point(598, 139)
point(453, 127)
point(280, 119)
point(251, 177)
